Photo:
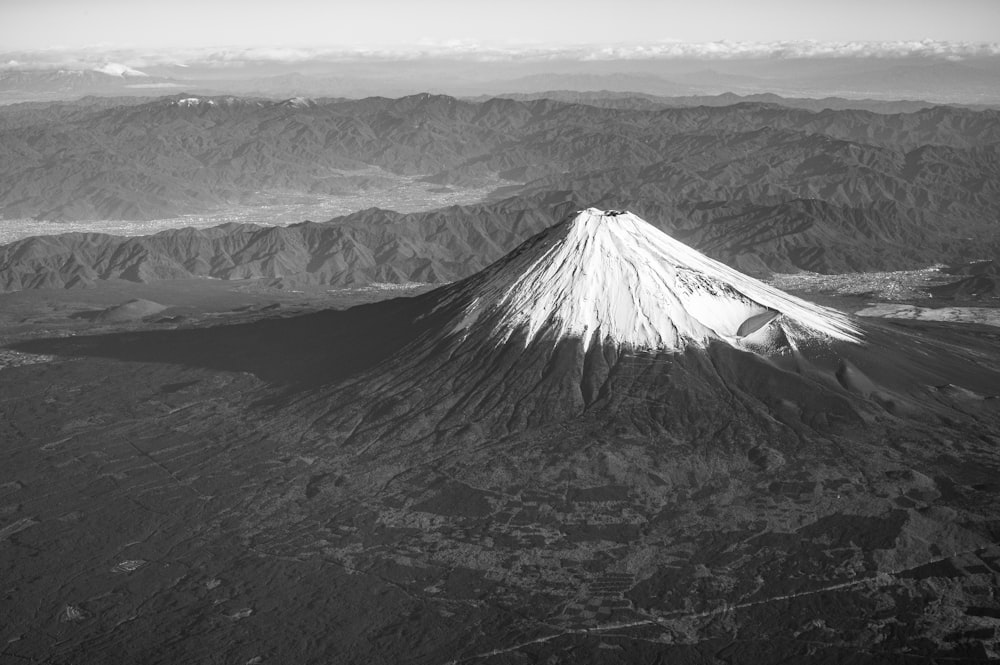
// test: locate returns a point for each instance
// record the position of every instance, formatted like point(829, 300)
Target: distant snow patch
point(298, 102)
point(193, 101)
point(118, 69)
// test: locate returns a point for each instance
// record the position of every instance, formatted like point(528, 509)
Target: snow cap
point(611, 277)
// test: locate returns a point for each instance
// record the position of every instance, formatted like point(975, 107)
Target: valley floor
point(403, 194)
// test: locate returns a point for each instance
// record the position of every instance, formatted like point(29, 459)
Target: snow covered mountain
point(610, 277)
point(604, 316)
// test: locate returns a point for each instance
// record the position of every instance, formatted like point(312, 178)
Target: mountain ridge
point(445, 245)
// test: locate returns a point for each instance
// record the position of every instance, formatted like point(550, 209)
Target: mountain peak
point(610, 277)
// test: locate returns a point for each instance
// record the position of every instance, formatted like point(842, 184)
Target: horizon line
point(98, 55)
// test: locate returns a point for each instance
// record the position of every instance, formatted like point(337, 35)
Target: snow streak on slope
point(612, 277)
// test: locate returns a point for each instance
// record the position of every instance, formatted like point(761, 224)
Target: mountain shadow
point(294, 352)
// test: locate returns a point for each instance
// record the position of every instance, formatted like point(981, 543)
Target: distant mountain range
point(63, 84)
point(185, 154)
point(973, 79)
point(645, 101)
point(760, 186)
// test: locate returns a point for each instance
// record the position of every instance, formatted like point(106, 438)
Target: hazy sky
point(41, 24)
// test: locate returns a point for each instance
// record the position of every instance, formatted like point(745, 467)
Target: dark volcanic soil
point(164, 498)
